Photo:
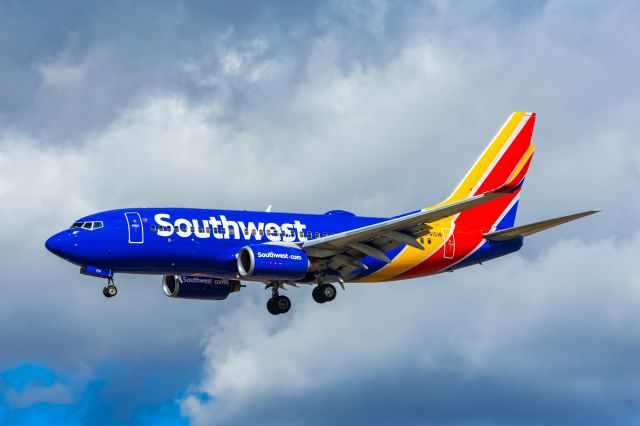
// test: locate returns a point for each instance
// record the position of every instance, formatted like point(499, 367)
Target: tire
point(271, 307)
point(317, 295)
point(112, 290)
point(283, 304)
point(328, 292)
point(104, 292)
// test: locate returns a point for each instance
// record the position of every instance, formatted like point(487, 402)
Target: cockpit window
point(88, 225)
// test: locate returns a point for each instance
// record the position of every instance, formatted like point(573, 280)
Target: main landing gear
point(324, 293)
point(277, 304)
point(110, 289)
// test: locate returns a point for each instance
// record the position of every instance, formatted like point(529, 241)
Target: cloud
point(515, 341)
point(368, 107)
point(56, 394)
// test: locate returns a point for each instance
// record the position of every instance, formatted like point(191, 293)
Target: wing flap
point(532, 228)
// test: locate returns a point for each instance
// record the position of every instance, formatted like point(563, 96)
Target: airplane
point(207, 254)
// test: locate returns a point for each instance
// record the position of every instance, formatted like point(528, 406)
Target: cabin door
point(136, 231)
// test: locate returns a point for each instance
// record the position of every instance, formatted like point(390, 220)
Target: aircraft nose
point(59, 245)
point(53, 244)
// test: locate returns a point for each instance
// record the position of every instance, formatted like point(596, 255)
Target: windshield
point(97, 224)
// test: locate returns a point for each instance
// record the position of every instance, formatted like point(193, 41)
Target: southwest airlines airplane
point(203, 254)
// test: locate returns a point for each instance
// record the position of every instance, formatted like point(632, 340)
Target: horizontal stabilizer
point(532, 228)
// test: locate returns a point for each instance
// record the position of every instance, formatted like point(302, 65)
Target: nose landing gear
point(110, 289)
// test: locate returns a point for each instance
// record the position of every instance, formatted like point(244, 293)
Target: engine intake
point(268, 262)
point(195, 287)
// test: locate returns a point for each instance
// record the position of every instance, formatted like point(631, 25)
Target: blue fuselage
point(186, 241)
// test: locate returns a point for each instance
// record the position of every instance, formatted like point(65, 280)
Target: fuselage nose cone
point(53, 244)
point(59, 245)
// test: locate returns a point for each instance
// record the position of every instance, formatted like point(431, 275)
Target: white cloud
point(545, 328)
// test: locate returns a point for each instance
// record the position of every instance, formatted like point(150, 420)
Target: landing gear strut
point(110, 289)
point(277, 304)
point(324, 293)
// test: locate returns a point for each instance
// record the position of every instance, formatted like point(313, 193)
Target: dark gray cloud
point(373, 107)
point(69, 68)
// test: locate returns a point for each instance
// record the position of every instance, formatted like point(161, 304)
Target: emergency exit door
point(449, 244)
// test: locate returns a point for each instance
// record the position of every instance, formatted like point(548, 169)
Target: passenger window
point(153, 228)
point(253, 232)
point(246, 232)
point(428, 240)
point(317, 235)
point(301, 234)
point(231, 231)
point(206, 230)
point(324, 234)
point(200, 230)
point(309, 234)
point(261, 232)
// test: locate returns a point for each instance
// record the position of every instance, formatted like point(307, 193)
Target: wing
point(344, 250)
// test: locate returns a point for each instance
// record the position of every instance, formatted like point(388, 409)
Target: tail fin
point(502, 166)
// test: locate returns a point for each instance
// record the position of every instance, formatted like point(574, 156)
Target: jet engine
point(197, 287)
point(271, 262)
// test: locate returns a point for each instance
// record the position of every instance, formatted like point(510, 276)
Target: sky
point(373, 107)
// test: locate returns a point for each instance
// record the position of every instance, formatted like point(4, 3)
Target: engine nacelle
point(270, 262)
point(195, 287)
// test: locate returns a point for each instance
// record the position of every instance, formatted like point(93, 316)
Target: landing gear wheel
point(271, 307)
point(284, 304)
point(327, 292)
point(110, 290)
point(317, 296)
point(278, 305)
